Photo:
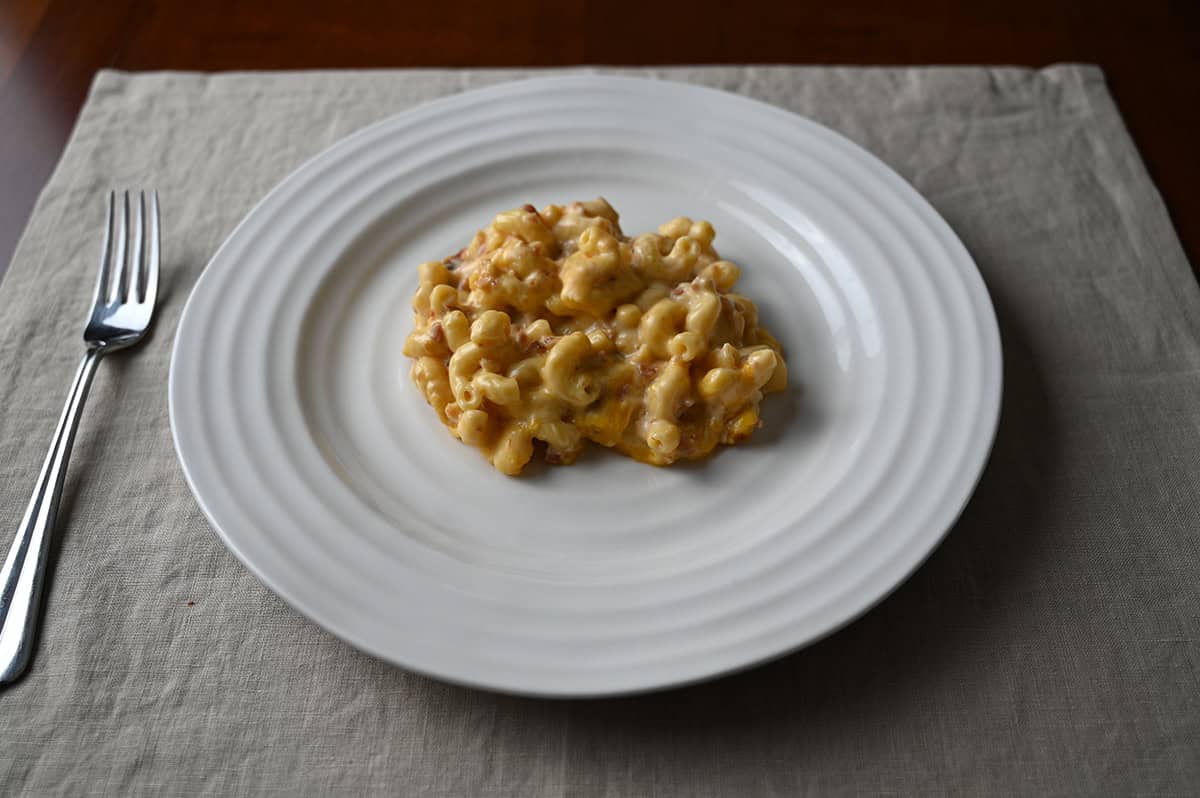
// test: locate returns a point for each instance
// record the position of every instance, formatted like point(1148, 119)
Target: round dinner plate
point(321, 467)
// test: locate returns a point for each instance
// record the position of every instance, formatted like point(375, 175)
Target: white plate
point(323, 470)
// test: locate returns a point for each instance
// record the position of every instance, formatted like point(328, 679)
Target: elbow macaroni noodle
point(553, 326)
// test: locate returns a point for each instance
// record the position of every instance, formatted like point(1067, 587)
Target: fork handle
point(25, 567)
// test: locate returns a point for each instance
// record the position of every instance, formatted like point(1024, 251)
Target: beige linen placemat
point(1050, 646)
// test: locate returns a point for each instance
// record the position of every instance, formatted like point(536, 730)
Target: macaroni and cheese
point(552, 326)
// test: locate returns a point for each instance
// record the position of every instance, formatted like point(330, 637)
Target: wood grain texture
point(50, 49)
point(17, 23)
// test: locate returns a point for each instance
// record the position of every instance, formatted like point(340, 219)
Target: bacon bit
point(554, 457)
point(648, 370)
point(529, 208)
point(437, 332)
point(677, 291)
point(542, 344)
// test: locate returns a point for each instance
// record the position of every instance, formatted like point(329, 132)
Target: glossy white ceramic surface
point(322, 468)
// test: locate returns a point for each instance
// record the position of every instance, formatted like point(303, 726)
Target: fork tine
point(117, 285)
point(138, 255)
point(154, 235)
point(106, 254)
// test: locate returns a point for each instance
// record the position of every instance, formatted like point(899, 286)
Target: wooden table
point(49, 50)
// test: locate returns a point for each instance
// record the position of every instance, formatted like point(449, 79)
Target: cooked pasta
point(552, 328)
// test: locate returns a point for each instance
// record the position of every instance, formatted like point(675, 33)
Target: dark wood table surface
point(50, 49)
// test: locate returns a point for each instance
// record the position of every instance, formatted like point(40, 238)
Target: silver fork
point(121, 310)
